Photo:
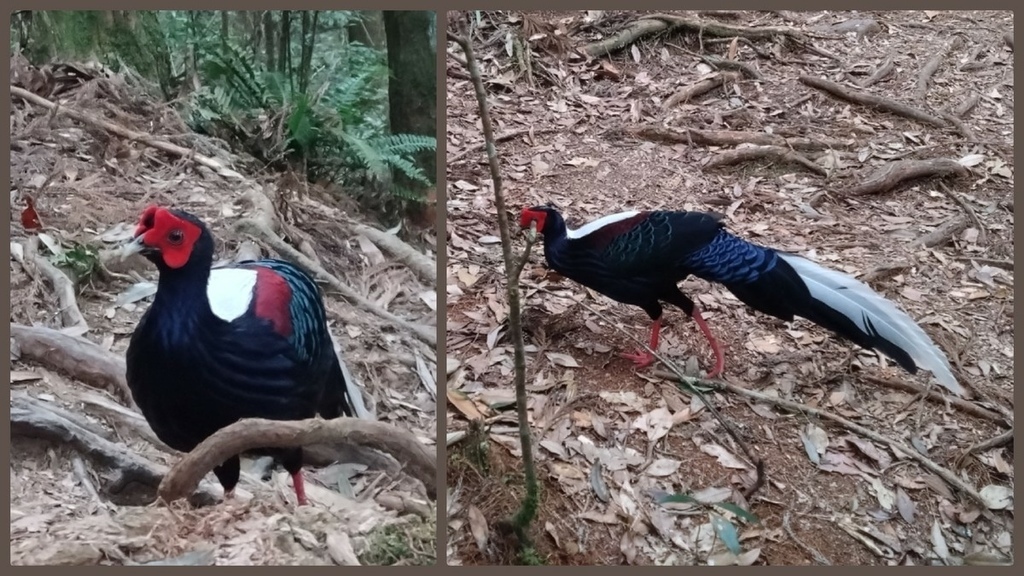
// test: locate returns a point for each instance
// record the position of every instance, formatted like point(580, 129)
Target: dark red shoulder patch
point(273, 300)
point(603, 236)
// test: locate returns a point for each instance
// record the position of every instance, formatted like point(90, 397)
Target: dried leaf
point(559, 359)
point(997, 497)
point(478, 527)
point(725, 458)
point(663, 467)
point(939, 541)
point(905, 506)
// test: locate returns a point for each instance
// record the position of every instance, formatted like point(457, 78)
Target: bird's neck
point(181, 296)
point(556, 242)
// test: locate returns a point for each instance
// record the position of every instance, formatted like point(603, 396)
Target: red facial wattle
point(529, 215)
point(172, 235)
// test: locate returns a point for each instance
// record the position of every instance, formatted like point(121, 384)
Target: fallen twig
point(994, 442)
point(817, 556)
point(123, 132)
point(892, 175)
point(531, 131)
point(253, 433)
point(947, 475)
point(961, 404)
point(1004, 264)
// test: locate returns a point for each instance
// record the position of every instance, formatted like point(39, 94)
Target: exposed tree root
point(892, 175)
point(967, 105)
point(123, 132)
point(950, 477)
point(877, 102)
point(36, 419)
point(924, 78)
point(75, 356)
point(656, 23)
point(942, 234)
point(511, 135)
point(252, 433)
point(701, 87)
point(423, 266)
point(881, 72)
point(734, 138)
point(754, 153)
point(70, 314)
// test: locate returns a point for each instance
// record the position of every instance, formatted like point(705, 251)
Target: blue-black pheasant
point(639, 257)
point(216, 346)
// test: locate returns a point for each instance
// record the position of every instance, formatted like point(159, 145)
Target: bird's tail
point(837, 302)
point(336, 401)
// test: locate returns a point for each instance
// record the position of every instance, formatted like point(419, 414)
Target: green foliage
point(324, 112)
point(412, 543)
point(723, 526)
point(529, 557)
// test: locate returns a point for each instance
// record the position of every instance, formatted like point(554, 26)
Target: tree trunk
point(268, 37)
point(412, 90)
point(224, 29)
point(284, 52)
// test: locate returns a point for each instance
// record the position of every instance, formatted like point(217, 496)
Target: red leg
point(229, 494)
point(719, 357)
point(643, 358)
point(300, 488)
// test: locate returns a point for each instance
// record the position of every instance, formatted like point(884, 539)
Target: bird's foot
point(641, 358)
point(230, 494)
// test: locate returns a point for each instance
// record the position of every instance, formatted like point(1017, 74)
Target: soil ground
point(89, 188)
point(575, 141)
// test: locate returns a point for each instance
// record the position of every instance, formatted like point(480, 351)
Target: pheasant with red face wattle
point(639, 258)
point(219, 345)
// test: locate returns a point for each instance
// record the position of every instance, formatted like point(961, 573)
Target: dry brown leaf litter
point(843, 499)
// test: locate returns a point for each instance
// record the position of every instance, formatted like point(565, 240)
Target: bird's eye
point(175, 237)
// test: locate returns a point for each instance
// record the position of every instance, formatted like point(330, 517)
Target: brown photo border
point(441, 7)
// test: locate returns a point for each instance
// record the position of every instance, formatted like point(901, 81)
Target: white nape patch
point(230, 291)
point(599, 223)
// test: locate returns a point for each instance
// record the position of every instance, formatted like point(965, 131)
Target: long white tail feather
point(856, 300)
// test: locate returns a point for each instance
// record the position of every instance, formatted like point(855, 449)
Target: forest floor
point(75, 495)
point(668, 120)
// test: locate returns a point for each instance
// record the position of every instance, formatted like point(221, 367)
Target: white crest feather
point(230, 291)
point(599, 223)
point(855, 300)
